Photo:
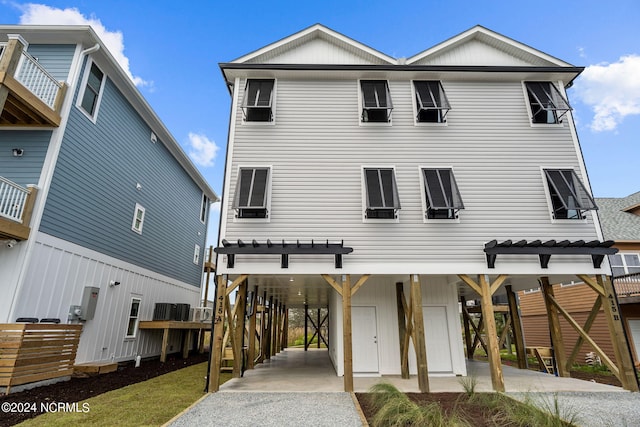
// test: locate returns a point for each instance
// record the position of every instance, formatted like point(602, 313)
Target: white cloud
point(40, 14)
point(611, 90)
point(203, 151)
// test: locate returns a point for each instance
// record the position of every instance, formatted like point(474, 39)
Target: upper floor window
point(382, 199)
point(376, 101)
point(252, 189)
point(569, 197)
point(138, 219)
point(92, 91)
point(196, 255)
point(132, 324)
point(257, 104)
point(204, 208)
point(624, 264)
point(432, 104)
point(546, 103)
point(442, 194)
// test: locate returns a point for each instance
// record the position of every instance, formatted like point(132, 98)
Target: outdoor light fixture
point(291, 279)
point(17, 152)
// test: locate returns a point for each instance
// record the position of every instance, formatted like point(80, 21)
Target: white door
point(365, 339)
point(436, 331)
point(634, 331)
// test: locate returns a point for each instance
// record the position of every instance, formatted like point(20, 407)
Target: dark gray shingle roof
point(616, 223)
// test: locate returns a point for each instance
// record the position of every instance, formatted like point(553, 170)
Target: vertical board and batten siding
point(578, 301)
point(380, 292)
point(317, 148)
point(64, 269)
point(26, 169)
point(55, 58)
point(93, 192)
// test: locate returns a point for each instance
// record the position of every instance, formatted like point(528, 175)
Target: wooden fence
point(32, 352)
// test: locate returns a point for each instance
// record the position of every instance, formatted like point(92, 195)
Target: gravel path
point(272, 409)
point(590, 409)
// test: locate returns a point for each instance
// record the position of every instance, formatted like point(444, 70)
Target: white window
point(204, 208)
point(432, 104)
point(569, 197)
point(442, 197)
point(546, 103)
point(138, 219)
point(91, 93)
point(132, 324)
point(623, 263)
point(381, 193)
point(257, 103)
point(251, 198)
point(196, 255)
point(376, 101)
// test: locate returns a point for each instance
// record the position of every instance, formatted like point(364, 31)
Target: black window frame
point(443, 200)
point(432, 104)
point(254, 106)
point(385, 202)
point(252, 209)
point(569, 197)
point(376, 107)
point(91, 91)
point(546, 103)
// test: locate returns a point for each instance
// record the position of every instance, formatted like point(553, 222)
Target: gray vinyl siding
point(56, 59)
point(93, 193)
point(23, 170)
point(317, 148)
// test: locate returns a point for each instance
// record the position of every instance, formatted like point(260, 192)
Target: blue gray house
point(102, 215)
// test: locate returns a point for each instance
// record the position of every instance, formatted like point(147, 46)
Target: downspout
point(41, 202)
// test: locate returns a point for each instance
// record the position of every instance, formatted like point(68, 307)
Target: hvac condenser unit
point(164, 311)
point(201, 314)
point(182, 312)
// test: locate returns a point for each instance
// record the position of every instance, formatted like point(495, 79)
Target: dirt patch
point(77, 389)
point(595, 377)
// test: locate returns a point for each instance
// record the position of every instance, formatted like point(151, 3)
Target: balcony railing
point(13, 199)
point(627, 285)
point(39, 82)
point(16, 206)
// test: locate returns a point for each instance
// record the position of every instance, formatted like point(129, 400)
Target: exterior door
point(365, 340)
point(634, 331)
point(436, 331)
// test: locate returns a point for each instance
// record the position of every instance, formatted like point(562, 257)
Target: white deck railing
point(12, 200)
point(627, 285)
point(34, 77)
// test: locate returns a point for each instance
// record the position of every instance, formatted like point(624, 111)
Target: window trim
point(624, 262)
point(424, 196)
point(559, 119)
point(361, 107)
point(83, 87)
point(131, 317)
point(138, 208)
point(416, 110)
point(204, 208)
point(365, 195)
point(547, 190)
point(267, 219)
point(244, 120)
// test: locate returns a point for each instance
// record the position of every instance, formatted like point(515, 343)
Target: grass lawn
point(149, 403)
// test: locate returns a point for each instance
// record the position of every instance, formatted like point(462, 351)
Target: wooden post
point(306, 325)
point(402, 327)
point(554, 328)
point(238, 356)
point(621, 349)
point(267, 354)
point(285, 328)
point(516, 325)
point(252, 330)
point(467, 330)
point(346, 333)
point(218, 330)
point(419, 340)
point(263, 328)
point(493, 353)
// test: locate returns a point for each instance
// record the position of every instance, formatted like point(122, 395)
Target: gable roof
point(617, 223)
point(463, 48)
point(326, 45)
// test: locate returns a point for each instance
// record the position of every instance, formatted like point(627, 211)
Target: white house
point(456, 172)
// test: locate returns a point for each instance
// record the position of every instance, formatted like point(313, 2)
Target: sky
point(171, 50)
